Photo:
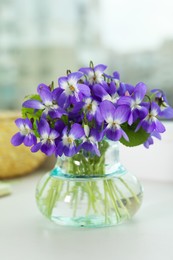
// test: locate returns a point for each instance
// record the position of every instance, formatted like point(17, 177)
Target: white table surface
point(26, 235)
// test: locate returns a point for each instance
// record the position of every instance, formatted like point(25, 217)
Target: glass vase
point(89, 191)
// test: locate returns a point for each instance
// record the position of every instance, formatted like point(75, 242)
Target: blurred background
point(40, 40)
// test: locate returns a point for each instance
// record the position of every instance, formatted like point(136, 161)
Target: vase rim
point(58, 173)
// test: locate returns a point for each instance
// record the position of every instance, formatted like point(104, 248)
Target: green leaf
point(34, 97)
point(27, 112)
point(135, 138)
point(30, 113)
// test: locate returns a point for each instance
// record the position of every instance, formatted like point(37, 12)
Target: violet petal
point(17, 139)
point(107, 110)
point(77, 131)
point(33, 104)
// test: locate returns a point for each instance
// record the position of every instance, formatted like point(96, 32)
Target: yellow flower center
point(89, 107)
point(72, 88)
point(94, 77)
point(115, 125)
point(69, 140)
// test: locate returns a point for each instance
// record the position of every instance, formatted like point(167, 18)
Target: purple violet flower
point(150, 122)
point(111, 89)
point(90, 140)
point(150, 141)
point(95, 74)
point(115, 77)
point(73, 91)
point(134, 101)
point(25, 135)
point(47, 138)
point(113, 85)
point(59, 126)
point(106, 92)
point(165, 110)
point(125, 89)
point(92, 110)
point(114, 117)
point(67, 145)
point(49, 102)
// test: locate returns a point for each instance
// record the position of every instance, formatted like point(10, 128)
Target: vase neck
point(117, 171)
point(87, 165)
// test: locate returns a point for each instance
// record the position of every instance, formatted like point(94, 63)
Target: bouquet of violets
point(80, 119)
point(87, 106)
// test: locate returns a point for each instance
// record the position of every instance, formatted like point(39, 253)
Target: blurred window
point(40, 40)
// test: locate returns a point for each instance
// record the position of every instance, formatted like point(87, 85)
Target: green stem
point(88, 164)
point(91, 198)
point(58, 191)
point(43, 187)
point(115, 206)
point(88, 207)
point(75, 203)
point(106, 203)
point(130, 190)
point(121, 194)
point(97, 196)
point(118, 199)
point(52, 197)
point(51, 202)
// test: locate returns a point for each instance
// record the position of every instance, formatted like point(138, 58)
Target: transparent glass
point(89, 191)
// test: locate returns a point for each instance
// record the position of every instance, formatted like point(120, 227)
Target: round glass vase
point(89, 191)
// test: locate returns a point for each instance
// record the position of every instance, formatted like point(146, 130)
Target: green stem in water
point(117, 198)
point(43, 187)
point(106, 202)
point(91, 196)
point(122, 195)
point(75, 202)
point(115, 206)
point(130, 190)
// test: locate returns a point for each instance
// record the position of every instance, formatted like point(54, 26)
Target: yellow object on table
point(15, 161)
